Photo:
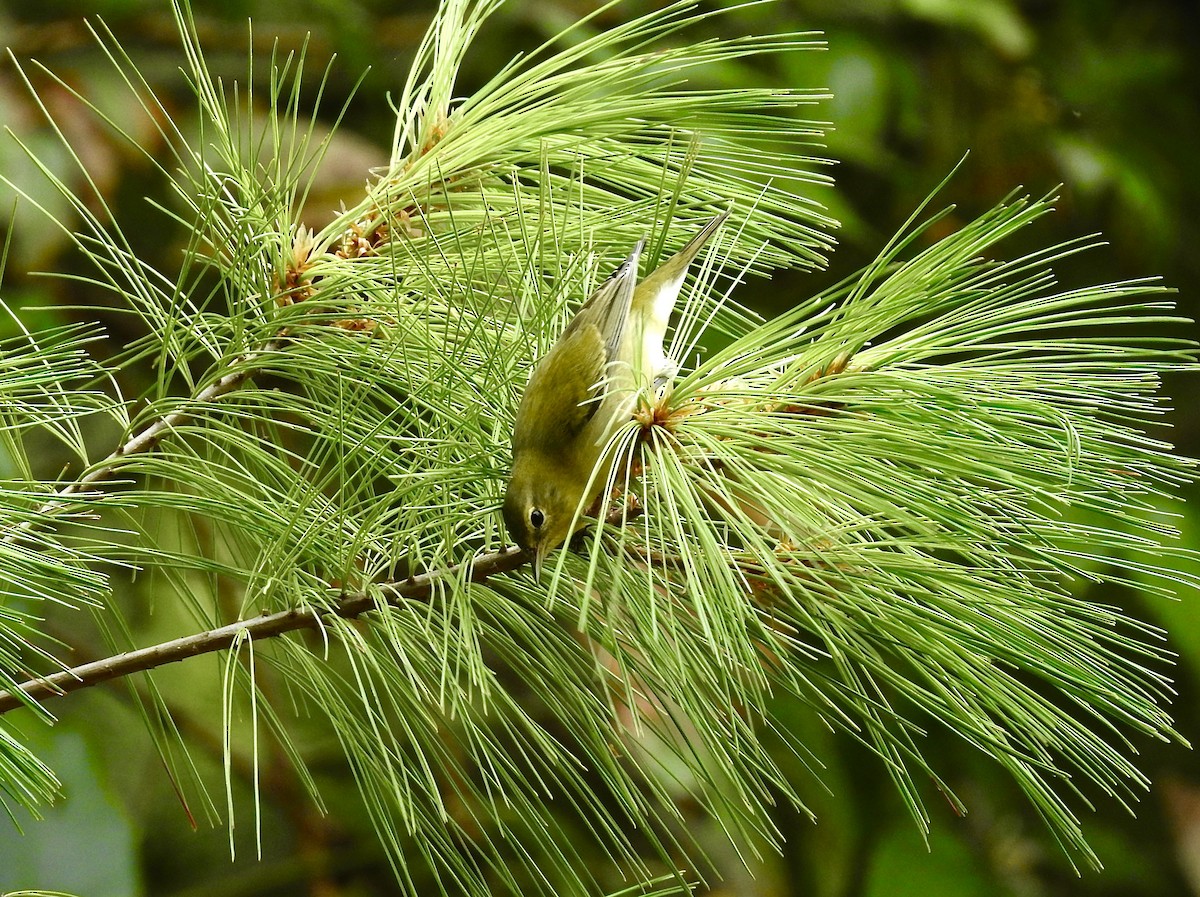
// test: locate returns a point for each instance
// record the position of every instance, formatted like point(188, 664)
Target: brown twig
point(268, 625)
point(265, 626)
point(143, 441)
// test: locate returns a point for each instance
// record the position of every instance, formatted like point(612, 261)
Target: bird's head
point(540, 505)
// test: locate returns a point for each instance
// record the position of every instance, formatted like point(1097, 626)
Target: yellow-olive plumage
point(582, 390)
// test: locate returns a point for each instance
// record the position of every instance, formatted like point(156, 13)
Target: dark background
point(1102, 97)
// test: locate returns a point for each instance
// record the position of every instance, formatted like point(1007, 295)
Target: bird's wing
point(566, 389)
point(608, 307)
point(572, 380)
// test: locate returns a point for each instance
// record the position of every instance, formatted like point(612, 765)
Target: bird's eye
point(537, 518)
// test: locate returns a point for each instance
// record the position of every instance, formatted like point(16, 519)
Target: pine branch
point(265, 626)
point(145, 440)
point(223, 638)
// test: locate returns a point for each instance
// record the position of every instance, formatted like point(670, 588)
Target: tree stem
point(265, 626)
point(143, 441)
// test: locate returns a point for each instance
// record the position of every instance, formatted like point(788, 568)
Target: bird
point(580, 393)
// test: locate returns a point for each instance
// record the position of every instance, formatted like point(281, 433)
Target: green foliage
point(895, 489)
point(868, 505)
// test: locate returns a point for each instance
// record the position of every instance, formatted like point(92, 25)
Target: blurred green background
point(1103, 97)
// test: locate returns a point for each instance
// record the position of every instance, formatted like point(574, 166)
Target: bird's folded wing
point(570, 387)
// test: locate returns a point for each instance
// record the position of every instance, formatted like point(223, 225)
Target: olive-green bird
point(584, 388)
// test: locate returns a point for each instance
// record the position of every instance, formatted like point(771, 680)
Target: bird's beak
point(539, 556)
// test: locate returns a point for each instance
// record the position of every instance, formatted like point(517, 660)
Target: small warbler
point(582, 390)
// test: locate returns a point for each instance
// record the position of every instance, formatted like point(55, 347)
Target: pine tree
point(875, 504)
